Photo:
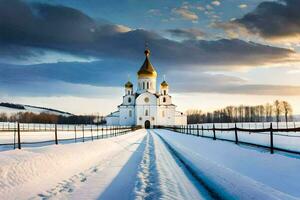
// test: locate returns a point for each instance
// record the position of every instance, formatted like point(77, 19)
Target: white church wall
point(166, 115)
point(110, 121)
point(127, 115)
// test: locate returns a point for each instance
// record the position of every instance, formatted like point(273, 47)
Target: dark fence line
point(198, 131)
point(96, 132)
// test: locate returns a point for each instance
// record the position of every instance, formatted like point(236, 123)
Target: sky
point(76, 55)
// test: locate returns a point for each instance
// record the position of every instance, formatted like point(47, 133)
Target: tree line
point(29, 117)
point(269, 112)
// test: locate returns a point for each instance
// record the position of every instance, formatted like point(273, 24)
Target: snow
point(148, 164)
point(12, 111)
point(45, 133)
point(236, 171)
point(46, 171)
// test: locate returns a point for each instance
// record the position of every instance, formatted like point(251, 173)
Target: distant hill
point(11, 108)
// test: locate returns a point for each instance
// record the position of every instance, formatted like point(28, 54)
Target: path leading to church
point(151, 172)
point(148, 164)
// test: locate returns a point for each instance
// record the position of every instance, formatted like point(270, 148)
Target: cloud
point(242, 6)
point(190, 33)
point(277, 21)
point(103, 78)
point(186, 14)
point(225, 84)
point(216, 3)
point(27, 31)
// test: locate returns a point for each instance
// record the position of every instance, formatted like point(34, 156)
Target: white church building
point(146, 106)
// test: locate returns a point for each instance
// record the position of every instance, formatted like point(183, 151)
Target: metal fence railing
point(17, 135)
point(283, 139)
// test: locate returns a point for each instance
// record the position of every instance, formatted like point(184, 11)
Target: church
point(146, 106)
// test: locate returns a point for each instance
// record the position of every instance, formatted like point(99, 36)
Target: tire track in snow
point(162, 176)
point(146, 186)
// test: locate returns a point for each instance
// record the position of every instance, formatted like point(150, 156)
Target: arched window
point(164, 99)
point(143, 85)
point(165, 92)
point(147, 85)
point(129, 100)
point(146, 113)
point(128, 91)
point(130, 113)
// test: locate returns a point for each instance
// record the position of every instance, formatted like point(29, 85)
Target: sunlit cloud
point(186, 14)
point(216, 3)
point(242, 6)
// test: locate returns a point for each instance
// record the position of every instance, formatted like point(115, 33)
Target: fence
point(283, 139)
point(16, 135)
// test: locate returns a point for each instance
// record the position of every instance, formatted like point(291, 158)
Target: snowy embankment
point(237, 172)
point(45, 171)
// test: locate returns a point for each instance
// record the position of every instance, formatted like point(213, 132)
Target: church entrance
point(147, 124)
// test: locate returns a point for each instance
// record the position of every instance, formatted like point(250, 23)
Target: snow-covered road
point(148, 164)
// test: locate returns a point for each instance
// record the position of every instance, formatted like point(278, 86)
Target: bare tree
point(278, 110)
point(287, 109)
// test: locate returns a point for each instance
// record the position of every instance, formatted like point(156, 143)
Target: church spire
point(147, 70)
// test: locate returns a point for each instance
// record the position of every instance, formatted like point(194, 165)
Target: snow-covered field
point(148, 164)
point(12, 111)
point(35, 133)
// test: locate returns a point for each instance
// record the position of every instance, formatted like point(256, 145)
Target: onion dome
point(128, 85)
point(164, 84)
point(147, 70)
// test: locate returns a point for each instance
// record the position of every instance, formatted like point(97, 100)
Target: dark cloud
point(190, 33)
point(274, 19)
point(69, 30)
point(225, 84)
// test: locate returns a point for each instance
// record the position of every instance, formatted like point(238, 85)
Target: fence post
point(97, 131)
point(55, 132)
point(82, 132)
point(14, 136)
point(75, 133)
point(271, 139)
point(214, 130)
point(236, 134)
point(92, 132)
point(19, 137)
point(197, 130)
point(202, 130)
point(102, 132)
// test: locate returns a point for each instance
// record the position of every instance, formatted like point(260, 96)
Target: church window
point(140, 119)
point(128, 92)
point(146, 113)
point(165, 92)
point(146, 100)
point(164, 99)
point(147, 85)
point(143, 85)
point(130, 113)
point(129, 100)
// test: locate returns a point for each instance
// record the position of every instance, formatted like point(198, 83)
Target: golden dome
point(128, 85)
point(164, 84)
point(147, 70)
